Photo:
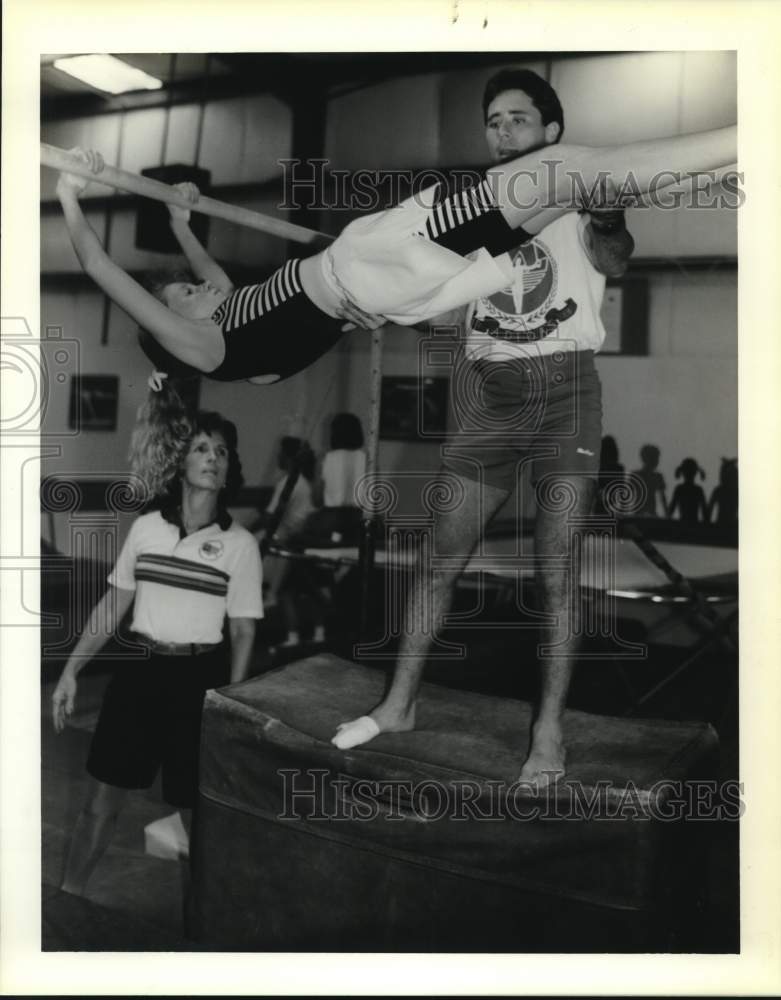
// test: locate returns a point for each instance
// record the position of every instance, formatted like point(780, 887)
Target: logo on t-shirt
point(526, 306)
point(534, 286)
point(211, 549)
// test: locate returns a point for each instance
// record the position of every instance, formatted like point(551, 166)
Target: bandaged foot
point(354, 733)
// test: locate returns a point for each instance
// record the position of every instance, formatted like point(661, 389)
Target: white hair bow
point(155, 380)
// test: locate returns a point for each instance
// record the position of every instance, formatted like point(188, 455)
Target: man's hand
point(357, 318)
point(72, 184)
point(606, 206)
point(608, 243)
point(63, 700)
point(191, 193)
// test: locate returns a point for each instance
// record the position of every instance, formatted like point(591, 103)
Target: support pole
point(124, 180)
point(369, 524)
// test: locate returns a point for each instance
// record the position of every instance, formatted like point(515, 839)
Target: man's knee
point(559, 498)
point(462, 522)
point(556, 527)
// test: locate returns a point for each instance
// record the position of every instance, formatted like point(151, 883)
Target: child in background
point(611, 476)
point(278, 572)
point(688, 497)
point(653, 481)
point(344, 464)
point(725, 495)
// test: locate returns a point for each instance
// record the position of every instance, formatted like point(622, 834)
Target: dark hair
point(542, 95)
point(649, 453)
point(294, 451)
point(346, 432)
point(162, 359)
point(689, 468)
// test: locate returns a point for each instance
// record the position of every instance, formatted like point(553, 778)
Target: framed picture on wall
point(413, 408)
point(625, 315)
point(93, 402)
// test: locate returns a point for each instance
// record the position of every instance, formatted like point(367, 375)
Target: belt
point(176, 648)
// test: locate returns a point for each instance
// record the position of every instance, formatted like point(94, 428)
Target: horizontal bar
point(124, 180)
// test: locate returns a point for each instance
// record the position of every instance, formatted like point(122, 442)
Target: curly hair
point(161, 438)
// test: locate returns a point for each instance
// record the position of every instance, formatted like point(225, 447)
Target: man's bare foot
point(547, 756)
point(382, 719)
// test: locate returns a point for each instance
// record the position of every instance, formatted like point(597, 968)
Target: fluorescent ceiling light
point(107, 73)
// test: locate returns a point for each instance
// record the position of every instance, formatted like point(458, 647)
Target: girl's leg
point(556, 178)
point(92, 834)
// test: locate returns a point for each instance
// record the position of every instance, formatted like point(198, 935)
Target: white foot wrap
point(352, 734)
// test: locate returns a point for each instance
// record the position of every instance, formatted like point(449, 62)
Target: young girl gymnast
point(432, 253)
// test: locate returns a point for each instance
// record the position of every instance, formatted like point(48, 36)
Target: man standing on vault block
point(529, 383)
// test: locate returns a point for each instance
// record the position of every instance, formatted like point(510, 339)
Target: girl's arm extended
point(177, 335)
point(201, 263)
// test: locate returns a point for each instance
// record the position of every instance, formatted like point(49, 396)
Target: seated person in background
point(344, 464)
point(279, 572)
point(688, 497)
point(653, 481)
point(725, 495)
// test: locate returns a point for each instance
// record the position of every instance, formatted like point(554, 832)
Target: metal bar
point(60, 159)
point(369, 525)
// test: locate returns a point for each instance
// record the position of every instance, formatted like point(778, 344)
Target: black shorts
point(544, 410)
point(151, 719)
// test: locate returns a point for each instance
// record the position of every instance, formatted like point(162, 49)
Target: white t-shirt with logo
point(185, 586)
point(556, 291)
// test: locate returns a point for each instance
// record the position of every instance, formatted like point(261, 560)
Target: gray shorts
point(545, 411)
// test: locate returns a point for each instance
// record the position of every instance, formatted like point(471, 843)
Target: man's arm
point(242, 633)
point(201, 263)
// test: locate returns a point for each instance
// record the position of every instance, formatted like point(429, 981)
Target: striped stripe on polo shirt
point(253, 301)
point(182, 573)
